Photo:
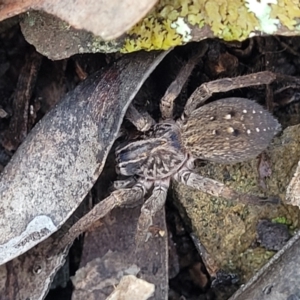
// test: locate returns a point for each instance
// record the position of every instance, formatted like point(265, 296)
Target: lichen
point(262, 11)
point(172, 23)
point(288, 12)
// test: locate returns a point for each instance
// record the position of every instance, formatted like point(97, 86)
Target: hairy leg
point(218, 189)
point(115, 199)
point(124, 184)
point(207, 89)
point(153, 204)
point(167, 101)
point(141, 120)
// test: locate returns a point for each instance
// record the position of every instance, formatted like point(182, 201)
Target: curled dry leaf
point(61, 158)
point(108, 19)
point(29, 276)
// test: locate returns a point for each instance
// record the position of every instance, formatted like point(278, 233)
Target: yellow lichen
point(171, 22)
point(287, 11)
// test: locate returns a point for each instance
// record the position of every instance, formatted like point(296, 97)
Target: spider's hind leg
point(218, 189)
point(207, 89)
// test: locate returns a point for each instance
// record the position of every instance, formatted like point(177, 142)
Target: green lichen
point(172, 23)
point(281, 220)
point(96, 45)
point(288, 12)
point(167, 25)
point(158, 29)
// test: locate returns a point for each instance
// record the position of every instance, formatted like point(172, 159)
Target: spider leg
point(167, 101)
point(207, 89)
point(153, 204)
point(141, 120)
point(218, 189)
point(115, 199)
point(129, 183)
point(124, 184)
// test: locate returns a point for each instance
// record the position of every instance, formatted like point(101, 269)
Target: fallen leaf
point(108, 18)
point(63, 155)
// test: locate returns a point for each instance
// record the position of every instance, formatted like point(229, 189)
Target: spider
point(229, 130)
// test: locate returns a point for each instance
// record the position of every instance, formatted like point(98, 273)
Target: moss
point(227, 229)
point(281, 220)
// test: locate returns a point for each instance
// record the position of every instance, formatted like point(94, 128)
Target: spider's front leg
point(117, 198)
point(167, 101)
point(153, 204)
point(207, 89)
point(141, 120)
point(218, 189)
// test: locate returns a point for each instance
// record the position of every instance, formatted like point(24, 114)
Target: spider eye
point(236, 132)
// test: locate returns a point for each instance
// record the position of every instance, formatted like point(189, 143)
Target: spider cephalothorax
point(156, 158)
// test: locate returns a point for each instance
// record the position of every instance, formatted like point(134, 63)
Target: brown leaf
point(108, 19)
point(61, 158)
point(29, 276)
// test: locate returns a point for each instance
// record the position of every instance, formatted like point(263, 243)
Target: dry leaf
point(62, 157)
point(108, 19)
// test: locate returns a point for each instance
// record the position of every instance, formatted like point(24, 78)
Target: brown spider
point(225, 131)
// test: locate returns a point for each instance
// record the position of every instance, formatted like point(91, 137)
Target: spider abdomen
point(229, 130)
